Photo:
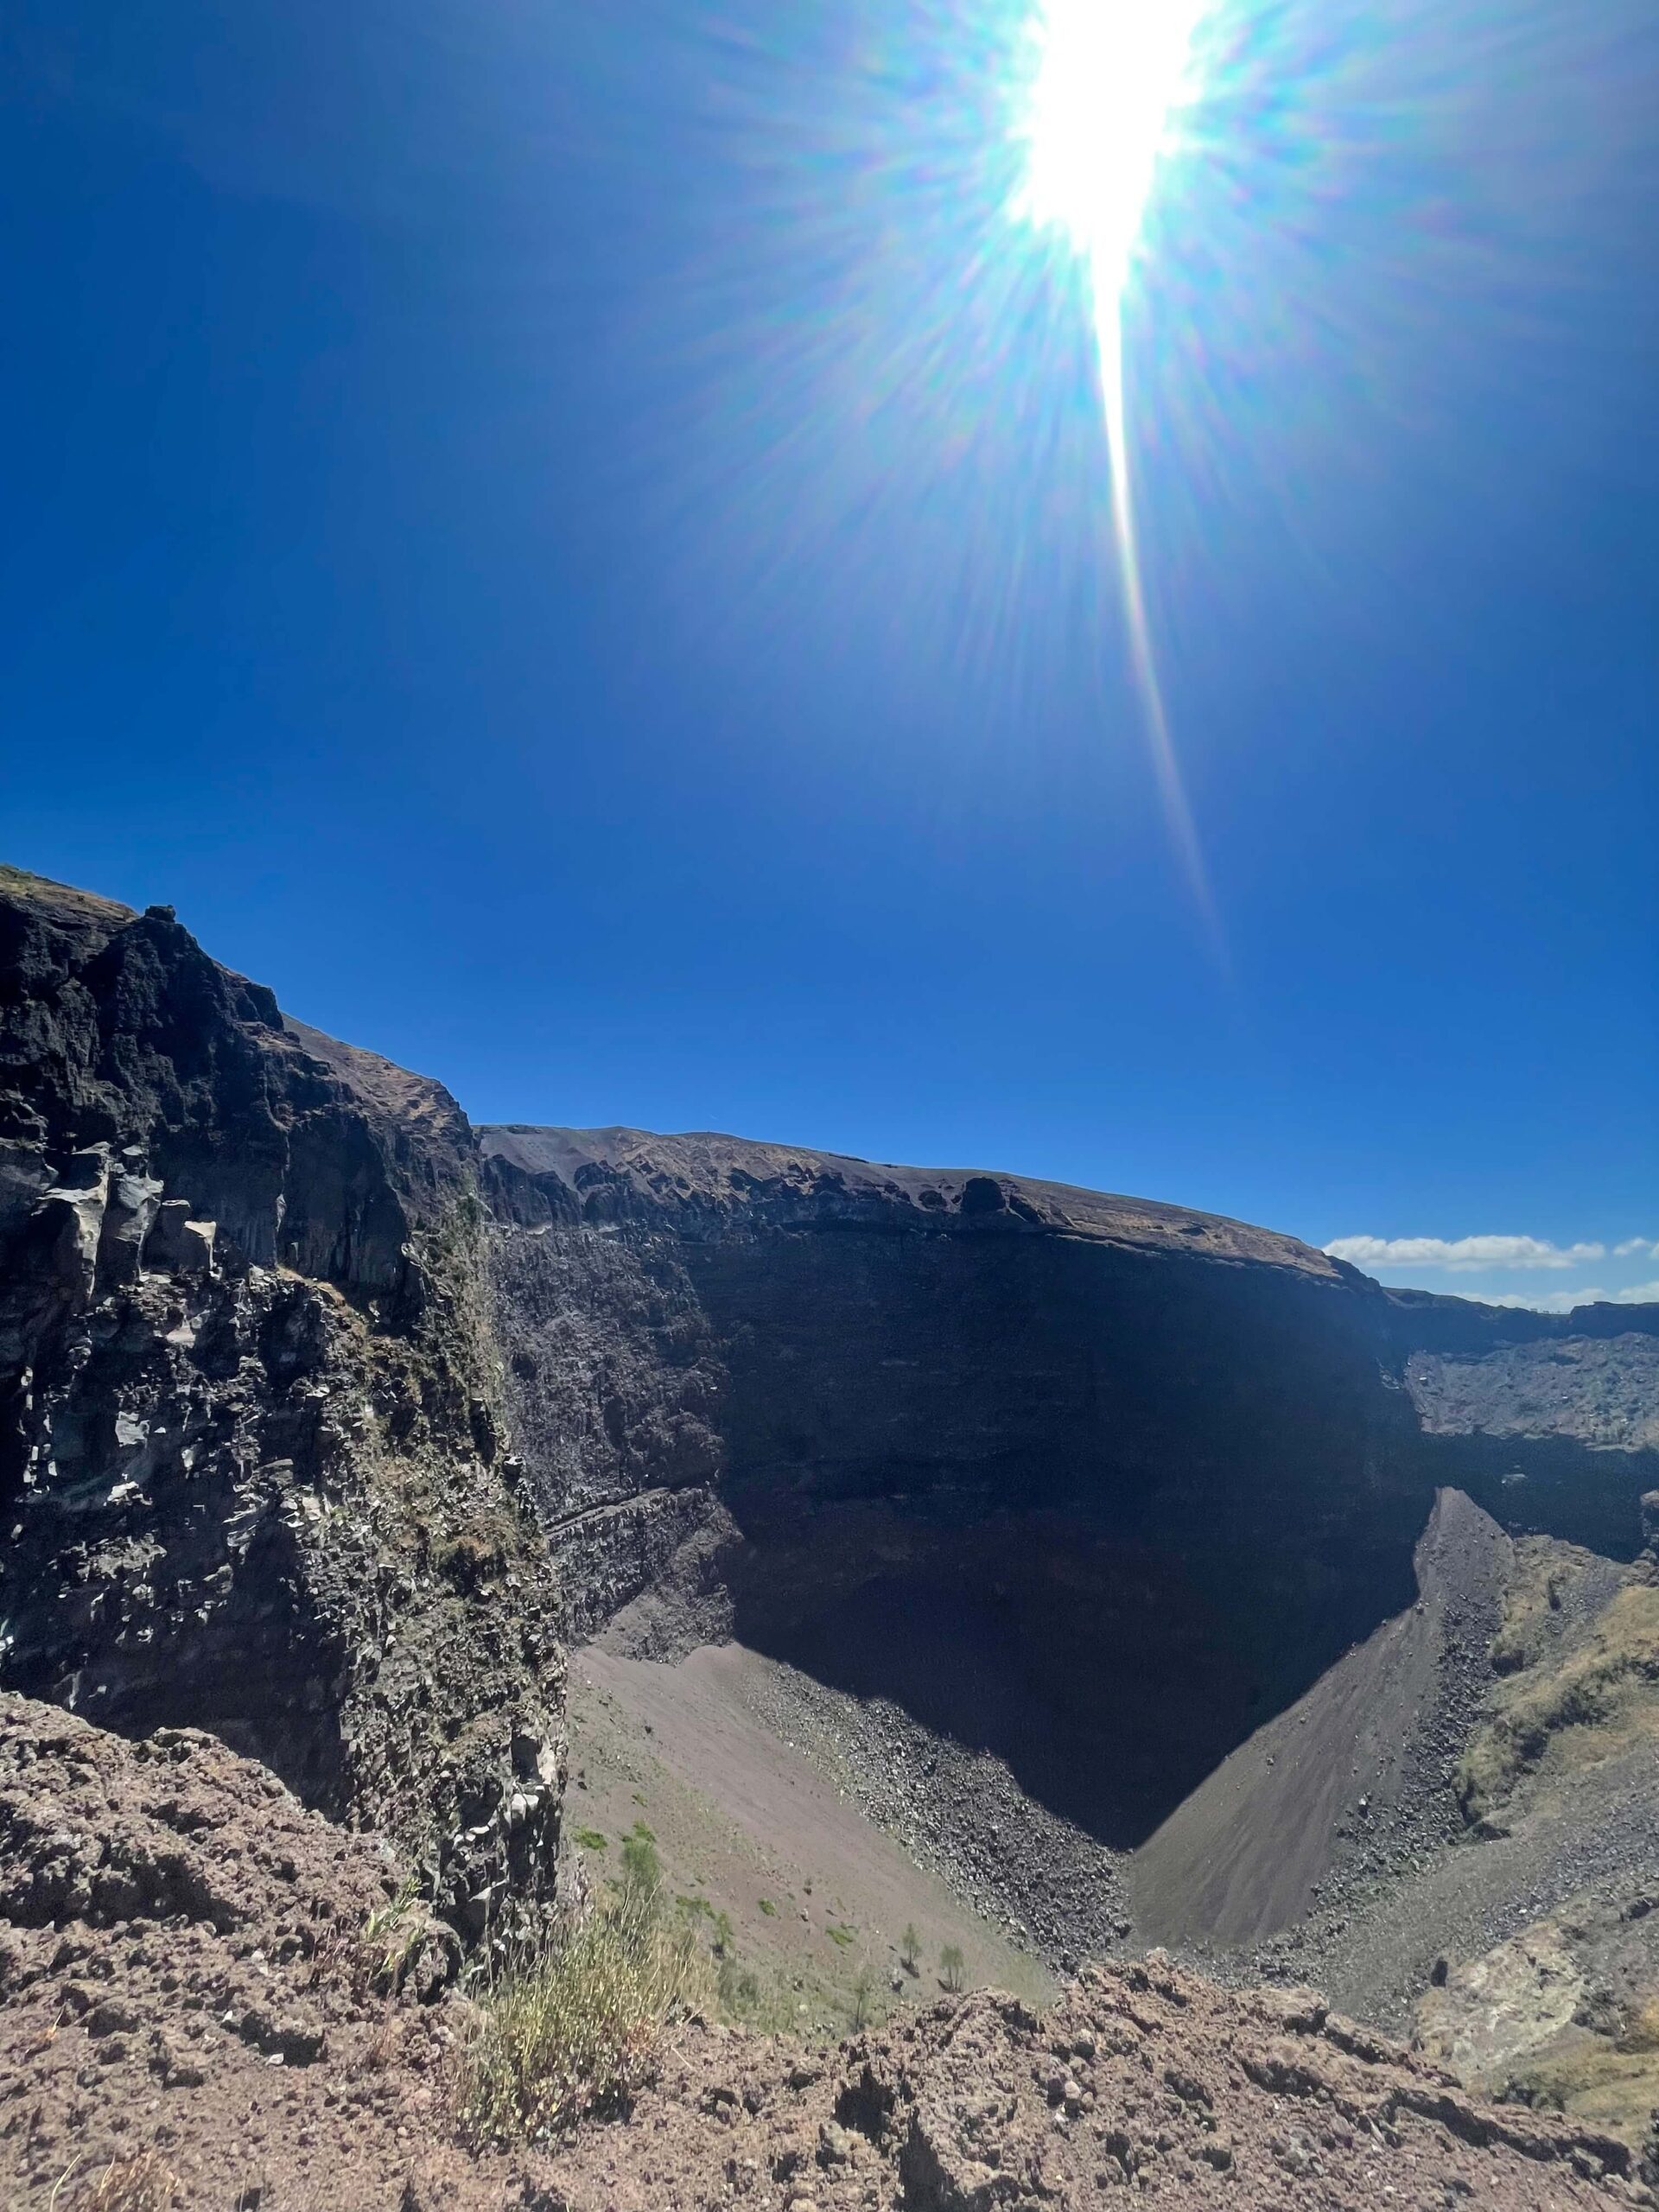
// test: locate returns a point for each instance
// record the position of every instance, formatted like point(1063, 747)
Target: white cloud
point(1563, 1301)
point(1461, 1254)
point(1634, 1244)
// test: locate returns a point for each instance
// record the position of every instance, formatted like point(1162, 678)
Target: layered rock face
point(1097, 1483)
point(1551, 1419)
point(250, 1474)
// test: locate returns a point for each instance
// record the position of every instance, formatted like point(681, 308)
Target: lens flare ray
point(1109, 341)
point(1110, 77)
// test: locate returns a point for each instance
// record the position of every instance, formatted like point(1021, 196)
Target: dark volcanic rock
point(240, 1376)
point(1557, 1433)
point(118, 1028)
point(1097, 1483)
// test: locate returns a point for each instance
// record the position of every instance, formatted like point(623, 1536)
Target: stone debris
point(194, 1968)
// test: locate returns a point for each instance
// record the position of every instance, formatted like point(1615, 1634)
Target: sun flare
point(1109, 80)
point(1110, 77)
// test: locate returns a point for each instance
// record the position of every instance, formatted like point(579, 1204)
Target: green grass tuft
point(574, 2027)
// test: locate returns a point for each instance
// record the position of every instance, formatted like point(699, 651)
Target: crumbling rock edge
point(196, 1970)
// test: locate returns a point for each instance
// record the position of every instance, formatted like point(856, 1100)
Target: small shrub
point(393, 1931)
point(839, 1934)
point(738, 1989)
point(592, 1840)
point(642, 1870)
point(142, 2183)
point(769, 1908)
point(910, 1948)
point(863, 1999)
point(574, 2027)
point(471, 1560)
point(952, 1967)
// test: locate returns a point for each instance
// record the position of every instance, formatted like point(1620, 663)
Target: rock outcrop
point(206, 1992)
point(249, 1474)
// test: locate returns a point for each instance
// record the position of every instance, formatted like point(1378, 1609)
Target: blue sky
point(574, 542)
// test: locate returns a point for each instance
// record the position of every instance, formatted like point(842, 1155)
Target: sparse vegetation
point(471, 1559)
point(910, 1948)
point(863, 1999)
point(841, 1934)
point(592, 1840)
point(1610, 2084)
point(393, 1931)
point(952, 1967)
point(769, 1908)
point(574, 2027)
point(642, 1870)
point(1598, 1699)
point(737, 1989)
point(1544, 1571)
point(142, 2183)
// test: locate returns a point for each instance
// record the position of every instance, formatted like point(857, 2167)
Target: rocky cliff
point(1551, 1419)
point(1097, 1483)
point(251, 1477)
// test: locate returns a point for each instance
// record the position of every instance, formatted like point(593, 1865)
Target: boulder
point(70, 1225)
point(134, 1200)
point(178, 1245)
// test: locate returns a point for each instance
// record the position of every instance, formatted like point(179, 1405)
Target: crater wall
point(1098, 1485)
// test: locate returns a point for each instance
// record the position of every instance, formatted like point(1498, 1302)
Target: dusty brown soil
point(196, 1997)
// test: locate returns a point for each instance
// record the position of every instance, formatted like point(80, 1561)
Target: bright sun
point(1109, 75)
point(1109, 78)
